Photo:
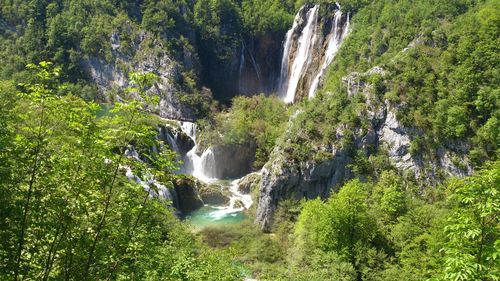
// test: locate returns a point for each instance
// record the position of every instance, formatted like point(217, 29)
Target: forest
point(389, 172)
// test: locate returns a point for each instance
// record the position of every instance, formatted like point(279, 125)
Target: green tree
point(472, 251)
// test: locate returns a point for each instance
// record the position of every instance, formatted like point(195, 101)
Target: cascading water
point(193, 163)
point(336, 38)
point(202, 168)
point(242, 65)
point(148, 179)
point(304, 62)
point(305, 44)
point(283, 82)
point(237, 203)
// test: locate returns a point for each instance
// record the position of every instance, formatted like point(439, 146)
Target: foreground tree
point(472, 251)
point(68, 209)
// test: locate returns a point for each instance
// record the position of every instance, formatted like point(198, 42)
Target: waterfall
point(303, 54)
point(245, 201)
point(242, 65)
point(336, 38)
point(204, 169)
point(283, 80)
point(197, 166)
point(257, 69)
point(148, 180)
point(304, 60)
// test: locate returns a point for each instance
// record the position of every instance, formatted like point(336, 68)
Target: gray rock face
point(397, 141)
point(282, 178)
point(248, 183)
point(228, 161)
point(186, 191)
point(112, 75)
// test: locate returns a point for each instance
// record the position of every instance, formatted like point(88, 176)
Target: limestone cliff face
point(111, 75)
point(228, 161)
point(253, 68)
point(282, 178)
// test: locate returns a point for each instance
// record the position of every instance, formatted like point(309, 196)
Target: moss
point(214, 194)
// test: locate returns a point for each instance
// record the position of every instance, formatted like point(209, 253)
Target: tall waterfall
point(336, 38)
point(303, 54)
point(309, 49)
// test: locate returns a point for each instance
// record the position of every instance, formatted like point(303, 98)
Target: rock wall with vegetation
point(400, 143)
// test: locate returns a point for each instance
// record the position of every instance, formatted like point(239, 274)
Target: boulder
point(186, 190)
point(215, 194)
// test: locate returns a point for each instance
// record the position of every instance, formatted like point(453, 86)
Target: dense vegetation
point(256, 120)
point(379, 230)
point(69, 33)
point(441, 62)
point(69, 211)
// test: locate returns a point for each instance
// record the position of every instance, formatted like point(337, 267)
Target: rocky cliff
point(143, 53)
point(285, 178)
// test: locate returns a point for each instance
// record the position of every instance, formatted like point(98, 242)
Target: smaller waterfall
point(242, 65)
point(193, 163)
point(148, 179)
point(202, 167)
point(257, 69)
point(336, 38)
point(245, 201)
point(303, 56)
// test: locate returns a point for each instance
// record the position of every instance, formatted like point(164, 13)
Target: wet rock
point(188, 198)
point(238, 204)
point(175, 138)
point(215, 194)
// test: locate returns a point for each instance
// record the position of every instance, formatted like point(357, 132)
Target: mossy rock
point(188, 197)
point(238, 204)
point(215, 194)
point(249, 182)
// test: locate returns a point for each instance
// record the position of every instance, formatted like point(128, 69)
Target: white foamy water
point(336, 38)
point(193, 163)
point(303, 56)
point(295, 67)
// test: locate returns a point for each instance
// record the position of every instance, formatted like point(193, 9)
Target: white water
point(283, 82)
point(290, 77)
point(334, 43)
point(242, 65)
point(237, 196)
point(303, 56)
point(148, 179)
point(199, 167)
point(193, 163)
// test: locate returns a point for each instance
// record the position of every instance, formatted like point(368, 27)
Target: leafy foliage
point(256, 120)
point(68, 210)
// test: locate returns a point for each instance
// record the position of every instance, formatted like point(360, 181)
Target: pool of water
point(214, 216)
